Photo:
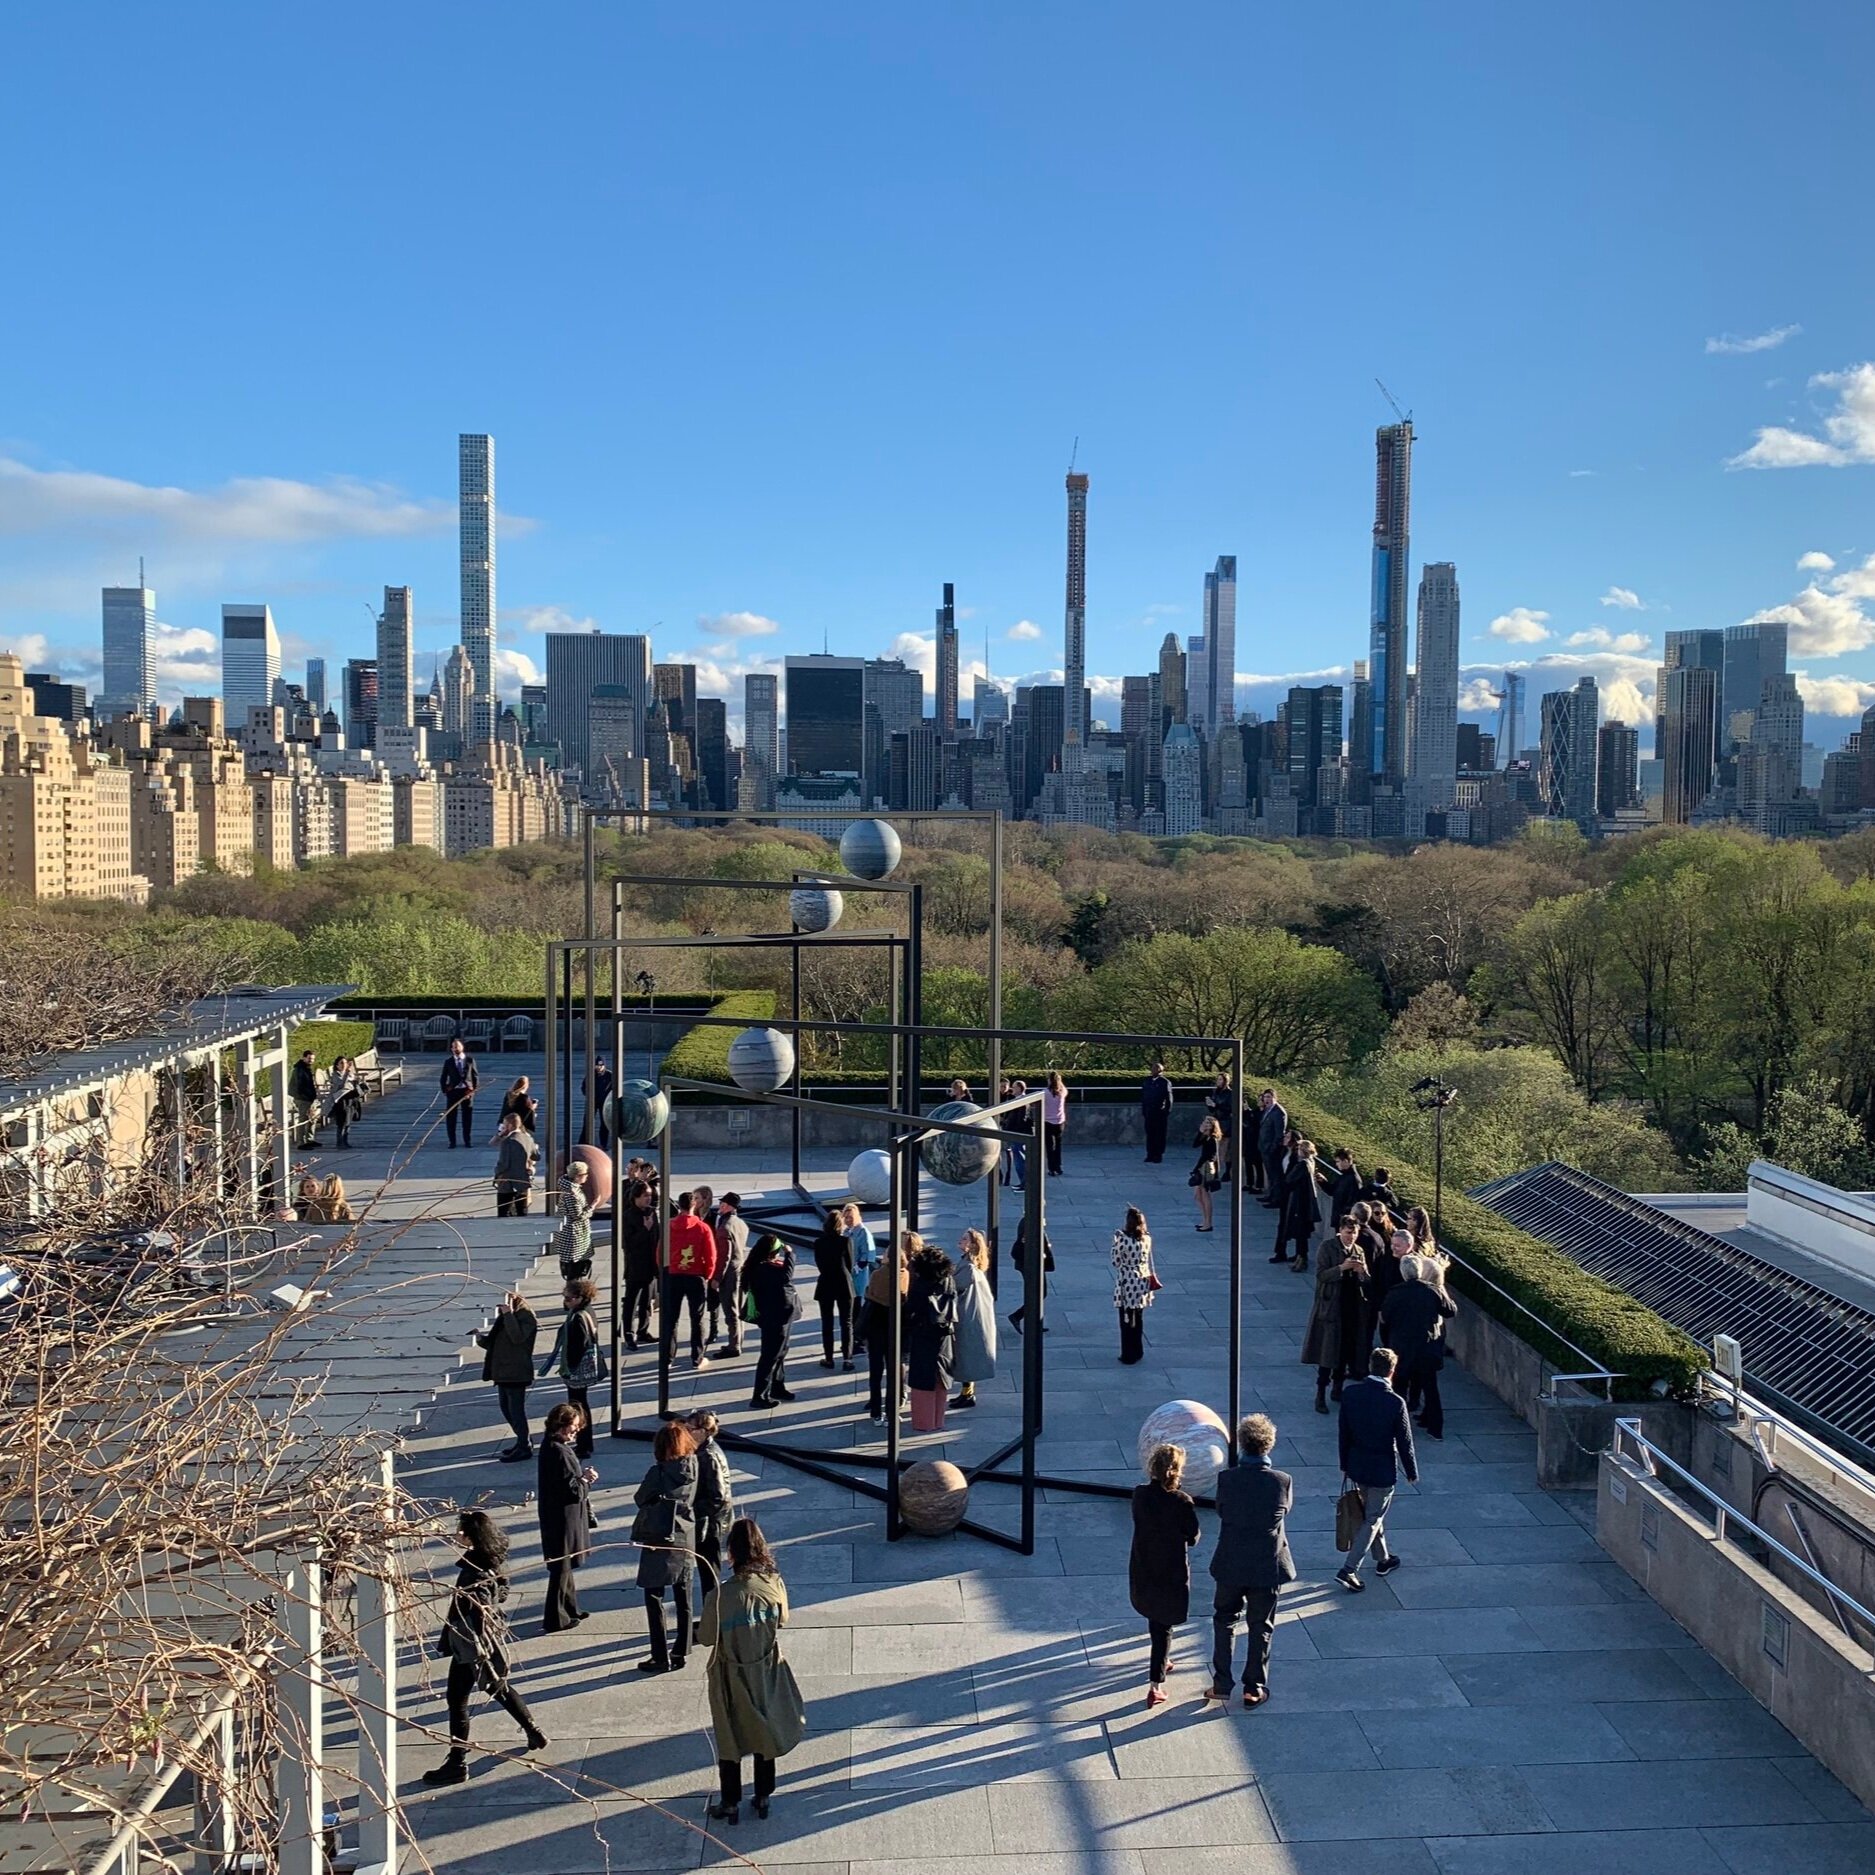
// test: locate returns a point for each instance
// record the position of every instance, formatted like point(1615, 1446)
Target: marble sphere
point(598, 1173)
point(1193, 1425)
point(932, 1497)
point(869, 1178)
point(956, 1158)
point(814, 908)
point(870, 849)
point(761, 1060)
point(638, 1112)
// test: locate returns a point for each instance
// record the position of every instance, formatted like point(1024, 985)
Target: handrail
point(1593, 1369)
point(1724, 1516)
point(1750, 1411)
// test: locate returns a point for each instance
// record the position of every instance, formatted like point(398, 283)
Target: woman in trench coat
point(1332, 1343)
point(1158, 1574)
point(973, 1355)
point(755, 1704)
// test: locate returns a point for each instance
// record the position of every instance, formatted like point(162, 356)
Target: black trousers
point(456, 1691)
point(1132, 1336)
point(640, 1292)
point(878, 1352)
point(838, 1308)
point(1159, 1634)
point(1051, 1141)
point(461, 1113)
point(1258, 1607)
point(662, 1651)
point(514, 1411)
point(562, 1609)
point(1422, 1397)
point(510, 1200)
point(681, 1293)
point(771, 1364)
point(1156, 1124)
point(729, 1774)
point(582, 1440)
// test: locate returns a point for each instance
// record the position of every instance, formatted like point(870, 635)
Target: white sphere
point(870, 849)
point(869, 1178)
point(815, 909)
point(1192, 1425)
point(761, 1060)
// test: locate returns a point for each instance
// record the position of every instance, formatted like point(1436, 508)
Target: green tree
point(1807, 1133)
point(1560, 961)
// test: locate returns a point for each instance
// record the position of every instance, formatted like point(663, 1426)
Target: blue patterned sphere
point(870, 849)
point(956, 1158)
point(813, 908)
point(761, 1060)
point(1198, 1431)
point(869, 1178)
point(638, 1112)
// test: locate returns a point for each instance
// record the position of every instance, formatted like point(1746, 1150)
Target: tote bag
point(1350, 1514)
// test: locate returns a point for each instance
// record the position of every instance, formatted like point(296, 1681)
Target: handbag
point(1350, 1514)
point(655, 1523)
point(1152, 1280)
point(590, 1368)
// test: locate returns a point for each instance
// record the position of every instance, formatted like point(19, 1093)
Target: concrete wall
point(1746, 1619)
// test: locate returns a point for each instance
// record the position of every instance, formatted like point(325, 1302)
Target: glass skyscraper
point(250, 661)
point(1386, 652)
point(129, 644)
point(395, 703)
point(476, 456)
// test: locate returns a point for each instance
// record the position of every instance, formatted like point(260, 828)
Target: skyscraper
point(1688, 705)
point(129, 646)
point(1703, 650)
point(1386, 655)
point(316, 684)
point(1172, 681)
point(395, 702)
point(677, 685)
point(947, 665)
point(826, 701)
point(1220, 645)
point(1617, 769)
point(1569, 752)
point(579, 664)
point(1183, 762)
point(990, 704)
point(709, 739)
point(476, 461)
point(761, 735)
point(1435, 715)
point(1312, 716)
point(457, 681)
point(250, 660)
point(1753, 654)
point(1510, 719)
point(361, 703)
point(1197, 689)
point(1074, 662)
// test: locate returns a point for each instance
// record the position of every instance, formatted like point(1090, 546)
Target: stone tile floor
point(1506, 1704)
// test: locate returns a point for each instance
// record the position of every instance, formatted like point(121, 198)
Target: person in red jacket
point(687, 1276)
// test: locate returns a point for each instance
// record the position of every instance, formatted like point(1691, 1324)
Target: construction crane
point(1074, 455)
point(1405, 416)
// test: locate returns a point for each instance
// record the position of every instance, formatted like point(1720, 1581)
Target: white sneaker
point(699, 1360)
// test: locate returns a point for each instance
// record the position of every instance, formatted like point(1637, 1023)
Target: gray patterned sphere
point(638, 1112)
point(815, 909)
point(869, 1178)
point(956, 1158)
point(870, 849)
point(1192, 1425)
point(761, 1060)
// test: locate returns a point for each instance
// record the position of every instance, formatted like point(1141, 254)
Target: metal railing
point(1593, 1372)
point(1769, 1429)
point(1633, 1444)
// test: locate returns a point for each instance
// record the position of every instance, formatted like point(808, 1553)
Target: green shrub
point(702, 1053)
point(329, 1040)
point(1605, 1322)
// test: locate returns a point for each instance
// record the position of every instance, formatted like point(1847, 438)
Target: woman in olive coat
point(666, 1532)
point(1158, 1574)
point(756, 1709)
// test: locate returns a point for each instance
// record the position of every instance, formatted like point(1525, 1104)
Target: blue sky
point(783, 316)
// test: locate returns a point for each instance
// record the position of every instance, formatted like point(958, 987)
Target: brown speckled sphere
point(933, 1496)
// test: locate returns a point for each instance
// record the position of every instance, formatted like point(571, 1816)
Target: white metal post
point(214, 1810)
point(282, 1123)
point(301, 1698)
point(376, 1601)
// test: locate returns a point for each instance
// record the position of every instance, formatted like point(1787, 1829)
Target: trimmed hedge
point(509, 1005)
point(702, 1053)
point(329, 1040)
point(1626, 1337)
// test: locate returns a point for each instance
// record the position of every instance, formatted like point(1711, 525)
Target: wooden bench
point(374, 1076)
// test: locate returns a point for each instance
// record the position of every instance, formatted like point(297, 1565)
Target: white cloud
point(1822, 624)
point(1834, 696)
point(1848, 430)
point(513, 669)
point(1599, 638)
point(1731, 346)
point(1478, 696)
point(1521, 626)
point(1814, 562)
point(736, 625)
point(1624, 599)
point(1023, 629)
point(30, 648)
point(1579, 474)
point(250, 509)
point(543, 618)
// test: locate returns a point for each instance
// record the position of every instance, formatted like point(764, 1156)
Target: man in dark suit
point(1347, 1188)
point(1376, 1446)
point(1272, 1130)
point(1155, 1107)
point(1251, 1562)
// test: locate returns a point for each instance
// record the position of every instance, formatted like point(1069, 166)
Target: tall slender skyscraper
point(1220, 644)
point(1386, 653)
point(1435, 715)
point(316, 685)
point(250, 661)
point(1510, 719)
point(395, 677)
point(1171, 682)
point(129, 641)
point(476, 456)
point(947, 665)
point(1687, 706)
point(761, 736)
point(1074, 663)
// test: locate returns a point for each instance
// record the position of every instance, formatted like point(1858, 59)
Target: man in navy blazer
point(1251, 1562)
point(1376, 1446)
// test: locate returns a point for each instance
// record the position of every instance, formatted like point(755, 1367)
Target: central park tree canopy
point(1653, 1009)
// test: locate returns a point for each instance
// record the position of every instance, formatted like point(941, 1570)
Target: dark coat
point(833, 1258)
point(475, 1632)
point(1302, 1200)
point(1374, 1193)
point(1271, 1127)
point(1253, 1499)
point(1155, 1096)
point(930, 1330)
point(1345, 1194)
point(1412, 1324)
point(1383, 1278)
point(1375, 1433)
point(1158, 1574)
point(514, 1161)
point(561, 1501)
point(509, 1340)
point(1336, 1295)
point(459, 1078)
point(715, 1503)
point(302, 1083)
point(638, 1232)
point(771, 1282)
point(667, 1525)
